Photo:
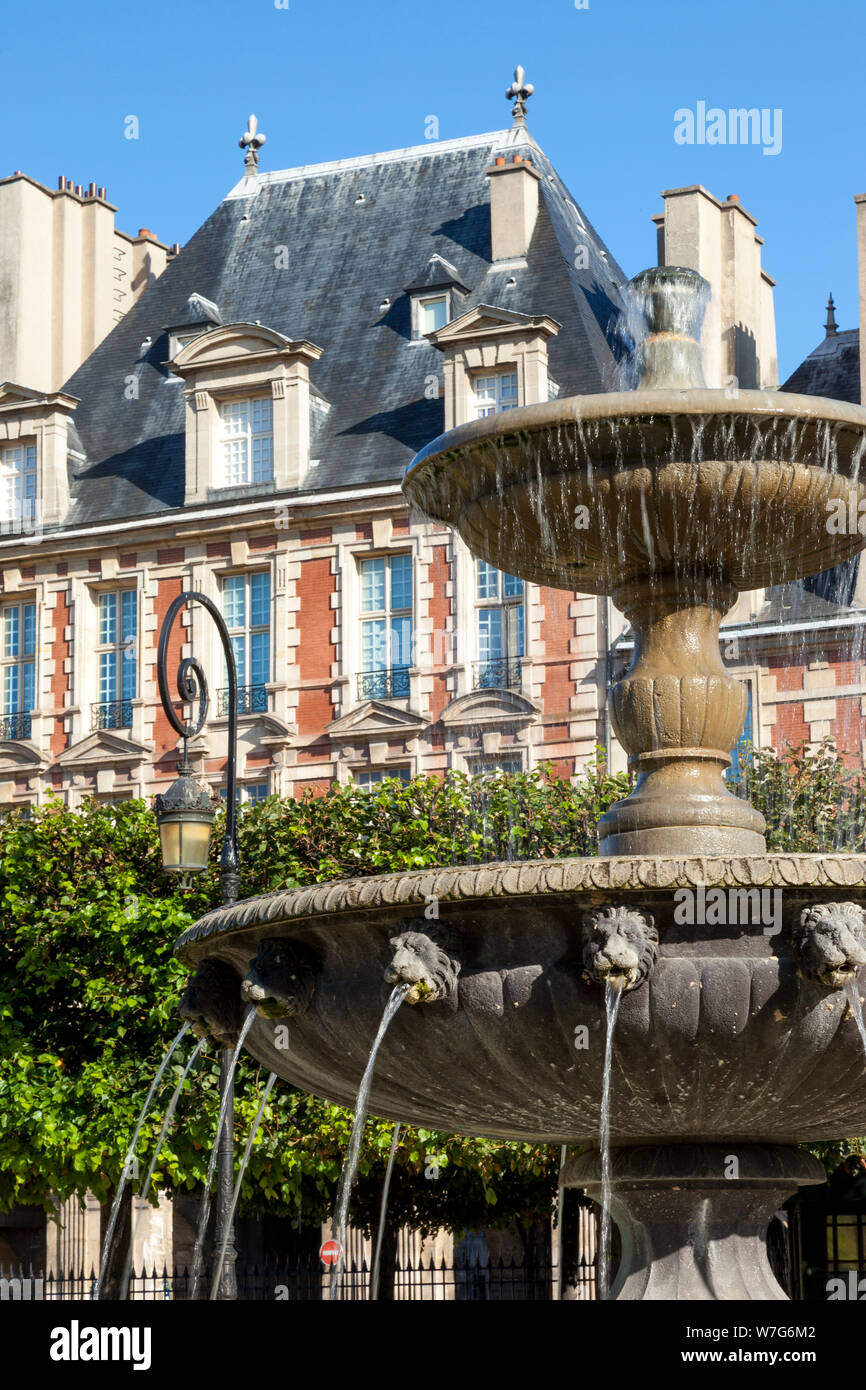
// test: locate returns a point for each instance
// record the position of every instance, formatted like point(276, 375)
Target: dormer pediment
point(240, 343)
point(21, 399)
point(490, 707)
point(490, 321)
point(375, 719)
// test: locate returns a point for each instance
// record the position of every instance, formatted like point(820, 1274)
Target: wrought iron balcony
point(252, 699)
point(502, 673)
point(384, 685)
point(113, 714)
point(15, 726)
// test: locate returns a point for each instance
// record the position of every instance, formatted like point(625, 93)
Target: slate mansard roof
point(833, 369)
point(356, 232)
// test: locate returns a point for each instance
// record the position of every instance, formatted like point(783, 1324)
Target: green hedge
point(89, 986)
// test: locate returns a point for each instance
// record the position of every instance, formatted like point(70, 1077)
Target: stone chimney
point(513, 206)
point(718, 239)
point(860, 200)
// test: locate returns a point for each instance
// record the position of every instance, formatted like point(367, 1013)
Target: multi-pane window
point(19, 668)
point(494, 766)
point(247, 441)
point(372, 777)
point(494, 393)
point(386, 626)
point(499, 599)
point(247, 610)
point(117, 655)
point(18, 487)
point(247, 793)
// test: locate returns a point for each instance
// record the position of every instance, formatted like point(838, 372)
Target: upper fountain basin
point(592, 492)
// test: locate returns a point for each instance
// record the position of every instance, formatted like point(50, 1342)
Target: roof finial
point(521, 91)
point(252, 143)
point(830, 325)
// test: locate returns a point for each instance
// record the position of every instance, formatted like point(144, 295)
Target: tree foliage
point(89, 986)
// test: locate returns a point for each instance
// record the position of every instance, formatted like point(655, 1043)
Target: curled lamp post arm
point(192, 686)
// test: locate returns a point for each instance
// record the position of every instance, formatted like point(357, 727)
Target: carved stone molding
point(620, 873)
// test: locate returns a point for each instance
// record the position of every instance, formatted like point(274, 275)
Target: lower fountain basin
point(733, 1035)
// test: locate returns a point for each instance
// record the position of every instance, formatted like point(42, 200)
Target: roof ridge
point(248, 187)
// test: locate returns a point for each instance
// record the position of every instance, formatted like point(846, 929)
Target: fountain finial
point(832, 330)
point(520, 91)
point(669, 303)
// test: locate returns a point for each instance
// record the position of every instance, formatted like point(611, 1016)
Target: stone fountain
point(735, 1040)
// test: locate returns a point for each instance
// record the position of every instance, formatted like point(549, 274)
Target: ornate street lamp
point(185, 815)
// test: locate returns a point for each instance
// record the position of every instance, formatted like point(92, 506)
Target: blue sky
point(333, 78)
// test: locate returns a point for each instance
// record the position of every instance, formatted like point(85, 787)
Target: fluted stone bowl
point(593, 492)
point(728, 1034)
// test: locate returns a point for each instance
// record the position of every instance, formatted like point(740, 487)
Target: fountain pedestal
point(693, 1218)
point(677, 712)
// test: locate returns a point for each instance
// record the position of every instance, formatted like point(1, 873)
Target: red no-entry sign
point(331, 1252)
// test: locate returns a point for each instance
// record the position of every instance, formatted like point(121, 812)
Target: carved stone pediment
point(103, 748)
point(488, 320)
point(490, 707)
point(376, 719)
point(20, 755)
point(235, 342)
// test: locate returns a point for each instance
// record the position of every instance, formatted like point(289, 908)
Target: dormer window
point(433, 313)
point(436, 296)
point(199, 316)
point(248, 412)
point(247, 441)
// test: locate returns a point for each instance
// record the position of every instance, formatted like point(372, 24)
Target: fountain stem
point(677, 713)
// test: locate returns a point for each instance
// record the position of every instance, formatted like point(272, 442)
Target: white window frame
point(19, 487)
point(247, 631)
point(488, 397)
point(387, 615)
point(18, 659)
point(246, 433)
point(502, 603)
point(117, 648)
point(369, 778)
point(420, 303)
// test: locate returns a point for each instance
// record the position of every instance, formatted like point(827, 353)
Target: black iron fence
point(430, 1280)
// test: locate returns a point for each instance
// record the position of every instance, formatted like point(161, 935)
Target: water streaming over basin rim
point(670, 480)
point(728, 1039)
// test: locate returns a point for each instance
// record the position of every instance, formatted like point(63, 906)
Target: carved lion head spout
point(830, 943)
point(424, 958)
point(620, 944)
point(212, 1002)
point(282, 978)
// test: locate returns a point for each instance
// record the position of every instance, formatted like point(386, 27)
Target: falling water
point(214, 1153)
point(612, 998)
point(127, 1162)
point(560, 1209)
point(383, 1214)
point(853, 992)
point(237, 1189)
point(169, 1116)
point(350, 1166)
